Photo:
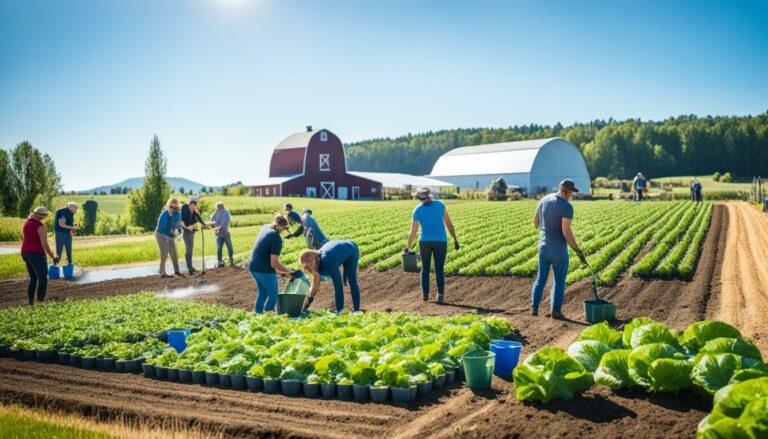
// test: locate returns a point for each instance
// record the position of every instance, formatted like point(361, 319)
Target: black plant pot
point(64, 358)
point(120, 366)
point(255, 384)
point(211, 378)
point(450, 376)
point(225, 381)
point(149, 370)
point(173, 374)
point(344, 391)
point(440, 381)
point(161, 373)
point(75, 360)
point(291, 387)
point(46, 356)
point(424, 389)
point(379, 395)
point(328, 390)
point(99, 363)
point(185, 376)
point(108, 364)
point(238, 381)
point(311, 390)
point(133, 366)
point(30, 355)
point(198, 377)
point(360, 392)
point(271, 386)
point(4, 351)
point(88, 362)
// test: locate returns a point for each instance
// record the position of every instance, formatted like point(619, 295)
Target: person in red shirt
point(34, 247)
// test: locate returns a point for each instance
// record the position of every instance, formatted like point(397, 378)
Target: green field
point(497, 238)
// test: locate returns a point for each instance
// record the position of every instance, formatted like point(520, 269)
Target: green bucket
point(599, 310)
point(478, 368)
point(411, 263)
point(290, 304)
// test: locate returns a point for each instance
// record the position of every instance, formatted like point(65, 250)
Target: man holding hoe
point(553, 217)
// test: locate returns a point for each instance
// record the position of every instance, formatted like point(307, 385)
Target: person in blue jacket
point(292, 215)
point(311, 230)
point(168, 228)
point(265, 263)
point(433, 218)
point(327, 262)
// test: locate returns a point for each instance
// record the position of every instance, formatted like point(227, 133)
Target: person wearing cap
point(221, 219)
point(34, 247)
point(190, 216)
point(311, 230)
point(432, 216)
point(639, 185)
point(327, 262)
point(63, 229)
point(292, 215)
point(553, 218)
point(168, 228)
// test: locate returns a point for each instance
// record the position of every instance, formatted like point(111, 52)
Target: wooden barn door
point(327, 189)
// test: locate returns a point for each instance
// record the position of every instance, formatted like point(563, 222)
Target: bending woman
point(168, 228)
point(433, 218)
point(34, 247)
point(265, 263)
point(326, 262)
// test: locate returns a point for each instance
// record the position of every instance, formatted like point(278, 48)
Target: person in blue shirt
point(168, 228)
point(640, 186)
point(314, 236)
point(292, 215)
point(432, 216)
point(327, 262)
point(265, 263)
point(553, 218)
point(63, 227)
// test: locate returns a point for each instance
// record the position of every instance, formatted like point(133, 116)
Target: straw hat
point(40, 211)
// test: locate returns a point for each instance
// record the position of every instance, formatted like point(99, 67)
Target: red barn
point(312, 164)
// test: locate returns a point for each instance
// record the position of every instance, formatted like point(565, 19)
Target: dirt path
point(744, 273)
point(453, 412)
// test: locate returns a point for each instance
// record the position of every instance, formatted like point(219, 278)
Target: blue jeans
point(64, 240)
point(428, 249)
point(220, 242)
point(266, 283)
point(557, 259)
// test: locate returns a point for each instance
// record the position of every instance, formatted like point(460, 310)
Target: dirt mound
point(452, 412)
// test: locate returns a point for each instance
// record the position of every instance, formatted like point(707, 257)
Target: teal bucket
point(478, 368)
point(411, 263)
point(599, 310)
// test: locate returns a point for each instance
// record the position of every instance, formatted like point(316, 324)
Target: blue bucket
point(507, 356)
point(177, 338)
point(53, 272)
point(69, 271)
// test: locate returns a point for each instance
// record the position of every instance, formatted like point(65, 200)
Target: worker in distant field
point(265, 263)
point(168, 228)
point(221, 219)
point(433, 218)
point(311, 230)
point(63, 228)
point(34, 247)
point(696, 190)
point(292, 215)
point(326, 262)
point(190, 217)
point(553, 217)
point(640, 186)
point(765, 205)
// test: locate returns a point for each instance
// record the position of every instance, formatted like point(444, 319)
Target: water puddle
point(198, 289)
point(9, 250)
point(95, 275)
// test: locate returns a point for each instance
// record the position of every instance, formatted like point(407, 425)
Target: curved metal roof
point(296, 140)
point(495, 158)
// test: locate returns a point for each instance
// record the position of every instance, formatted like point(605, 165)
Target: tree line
point(683, 145)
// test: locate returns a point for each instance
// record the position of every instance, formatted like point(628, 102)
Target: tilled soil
point(455, 411)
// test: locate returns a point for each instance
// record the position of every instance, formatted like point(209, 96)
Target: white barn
point(529, 165)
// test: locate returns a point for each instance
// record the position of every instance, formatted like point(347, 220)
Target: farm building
point(312, 164)
point(531, 165)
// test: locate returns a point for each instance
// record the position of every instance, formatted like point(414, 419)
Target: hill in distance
point(137, 182)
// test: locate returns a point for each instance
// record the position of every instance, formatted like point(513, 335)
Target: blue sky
point(222, 81)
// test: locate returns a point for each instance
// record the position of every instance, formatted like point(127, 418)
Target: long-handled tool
point(202, 237)
point(595, 281)
point(598, 310)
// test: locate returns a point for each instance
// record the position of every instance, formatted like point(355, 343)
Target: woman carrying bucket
point(433, 218)
point(168, 228)
point(265, 263)
point(34, 247)
point(326, 262)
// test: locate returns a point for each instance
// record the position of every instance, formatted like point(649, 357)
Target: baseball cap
point(423, 193)
point(568, 185)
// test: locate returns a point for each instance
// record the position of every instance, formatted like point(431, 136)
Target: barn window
point(373, 190)
point(325, 162)
point(323, 136)
point(267, 191)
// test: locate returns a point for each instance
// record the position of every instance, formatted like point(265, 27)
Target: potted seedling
point(327, 369)
point(396, 378)
point(198, 373)
point(75, 360)
point(225, 380)
point(423, 384)
point(237, 367)
point(379, 392)
point(149, 370)
point(108, 364)
point(362, 375)
point(120, 365)
point(185, 376)
point(311, 386)
point(437, 371)
point(64, 358)
point(211, 377)
point(290, 381)
point(343, 387)
point(272, 371)
point(255, 378)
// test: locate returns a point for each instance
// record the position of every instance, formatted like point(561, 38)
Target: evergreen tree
point(145, 204)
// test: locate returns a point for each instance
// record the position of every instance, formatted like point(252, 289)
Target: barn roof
point(296, 140)
point(269, 181)
point(495, 158)
point(394, 180)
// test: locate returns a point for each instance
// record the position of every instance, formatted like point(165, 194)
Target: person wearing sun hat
point(432, 216)
point(553, 217)
point(34, 247)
